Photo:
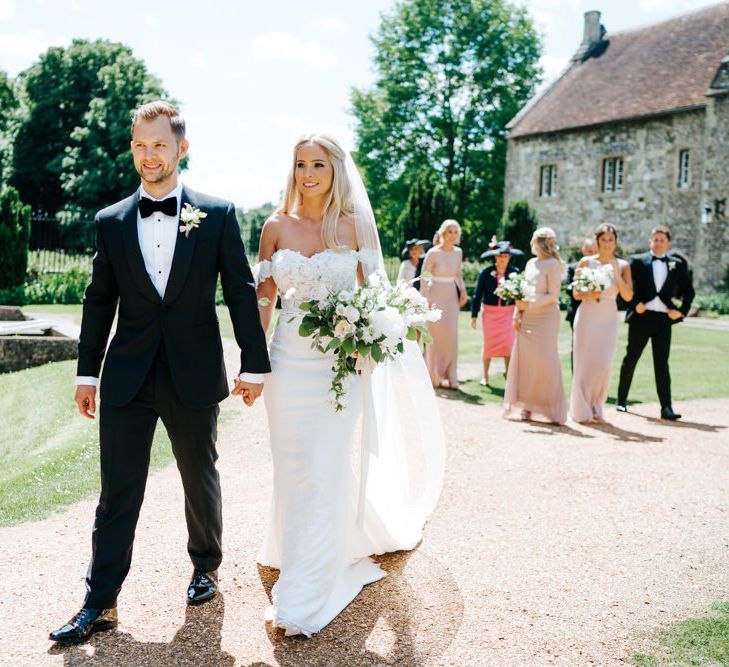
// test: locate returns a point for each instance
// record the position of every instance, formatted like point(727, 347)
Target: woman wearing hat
point(496, 314)
point(411, 255)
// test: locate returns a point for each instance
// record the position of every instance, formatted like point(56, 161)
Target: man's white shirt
point(660, 273)
point(157, 235)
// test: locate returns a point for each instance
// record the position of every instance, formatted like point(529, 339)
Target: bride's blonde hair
point(339, 198)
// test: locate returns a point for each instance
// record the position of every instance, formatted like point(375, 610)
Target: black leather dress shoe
point(84, 624)
point(668, 413)
point(620, 407)
point(203, 587)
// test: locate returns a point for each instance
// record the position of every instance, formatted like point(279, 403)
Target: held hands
point(248, 391)
point(86, 400)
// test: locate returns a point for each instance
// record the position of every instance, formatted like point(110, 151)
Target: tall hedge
point(14, 237)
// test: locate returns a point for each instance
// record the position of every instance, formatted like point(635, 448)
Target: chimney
point(592, 36)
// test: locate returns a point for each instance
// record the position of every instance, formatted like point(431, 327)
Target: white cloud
point(332, 24)
point(198, 60)
point(297, 125)
point(243, 187)
point(286, 47)
point(552, 67)
point(22, 46)
point(7, 9)
point(669, 7)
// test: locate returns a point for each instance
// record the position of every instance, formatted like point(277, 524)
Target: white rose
point(343, 328)
point(351, 313)
point(341, 309)
point(345, 296)
point(390, 324)
point(367, 335)
point(433, 315)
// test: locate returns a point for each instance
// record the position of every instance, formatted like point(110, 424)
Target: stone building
point(635, 132)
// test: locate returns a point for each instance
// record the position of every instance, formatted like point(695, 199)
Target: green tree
point(450, 74)
point(70, 95)
point(8, 106)
point(518, 224)
point(429, 203)
point(251, 223)
point(14, 237)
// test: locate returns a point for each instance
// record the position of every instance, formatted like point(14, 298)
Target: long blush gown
point(534, 381)
point(441, 356)
point(315, 536)
point(595, 338)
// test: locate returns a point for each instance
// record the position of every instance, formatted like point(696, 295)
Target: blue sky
point(252, 77)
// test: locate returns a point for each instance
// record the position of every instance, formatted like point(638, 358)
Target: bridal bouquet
point(365, 326)
point(516, 288)
point(592, 280)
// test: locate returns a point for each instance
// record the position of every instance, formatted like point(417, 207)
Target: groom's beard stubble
point(160, 177)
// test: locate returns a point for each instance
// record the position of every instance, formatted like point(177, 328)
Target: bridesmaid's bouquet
point(516, 288)
point(365, 327)
point(589, 279)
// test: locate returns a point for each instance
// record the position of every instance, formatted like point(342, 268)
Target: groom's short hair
point(661, 229)
point(153, 110)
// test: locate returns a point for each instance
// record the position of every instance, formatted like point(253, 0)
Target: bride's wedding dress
point(325, 521)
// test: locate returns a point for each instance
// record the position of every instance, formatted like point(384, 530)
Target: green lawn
point(49, 453)
point(695, 641)
point(695, 371)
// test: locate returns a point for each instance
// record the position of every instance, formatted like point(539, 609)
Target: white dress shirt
point(660, 273)
point(157, 235)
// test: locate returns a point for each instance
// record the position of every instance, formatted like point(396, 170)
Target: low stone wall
point(19, 352)
point(11, 314)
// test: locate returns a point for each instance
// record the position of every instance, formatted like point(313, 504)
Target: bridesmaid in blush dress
point(445, 290)
point(534, 380)
point(596, 331)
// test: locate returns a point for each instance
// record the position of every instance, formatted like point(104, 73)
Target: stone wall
point(650, 195)
point(19, 352)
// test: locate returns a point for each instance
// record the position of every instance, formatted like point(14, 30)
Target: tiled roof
point(664, 67)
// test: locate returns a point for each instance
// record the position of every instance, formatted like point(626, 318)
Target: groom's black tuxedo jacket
point(677, 285)
point(184, 321)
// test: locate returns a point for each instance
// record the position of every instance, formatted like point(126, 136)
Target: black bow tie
point(148, 206)
point(659, 259)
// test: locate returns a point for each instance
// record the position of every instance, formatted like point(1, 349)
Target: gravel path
point(549, 546)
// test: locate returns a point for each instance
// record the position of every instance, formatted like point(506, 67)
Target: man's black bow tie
point(659, 259)
point(148, 206)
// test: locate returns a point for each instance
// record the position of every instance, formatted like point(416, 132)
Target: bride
point(330, 514)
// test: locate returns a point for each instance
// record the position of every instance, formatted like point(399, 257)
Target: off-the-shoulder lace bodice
point(300, 278)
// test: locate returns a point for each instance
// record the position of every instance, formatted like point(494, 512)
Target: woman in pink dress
point(445, 290)
point(496, 314)
point(596, 330)
point(534, 381)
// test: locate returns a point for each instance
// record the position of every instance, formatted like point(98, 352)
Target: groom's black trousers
point(655, 327)
point(126, 435)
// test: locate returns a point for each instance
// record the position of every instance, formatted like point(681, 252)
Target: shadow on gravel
point(197, 642)
point(410, 617)
point(545, 428)
point(682, 423)
point(623, 435)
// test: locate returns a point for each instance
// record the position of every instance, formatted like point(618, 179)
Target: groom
point(657, 278)
point(158, 256)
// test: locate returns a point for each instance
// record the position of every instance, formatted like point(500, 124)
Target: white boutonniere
point(671, 265)
point(493, 274)
point(191, 218)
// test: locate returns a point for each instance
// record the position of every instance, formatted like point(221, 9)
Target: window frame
point(613, 174)
point(681, 182)
point(553, 180)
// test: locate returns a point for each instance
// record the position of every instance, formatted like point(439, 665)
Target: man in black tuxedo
point(589, 247)
point(158, 256)
point(657, 279)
